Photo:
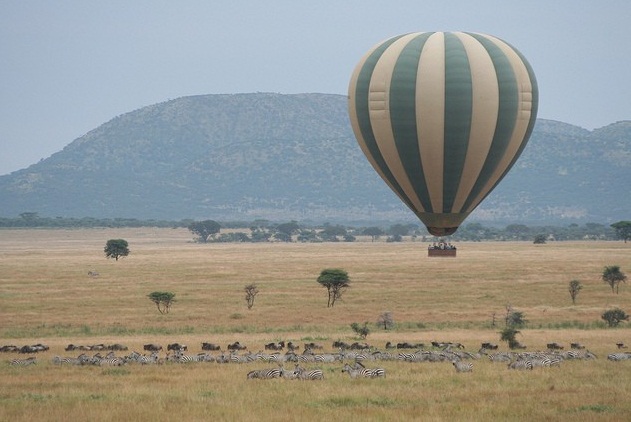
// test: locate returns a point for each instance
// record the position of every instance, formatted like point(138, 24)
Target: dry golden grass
point(47, 297)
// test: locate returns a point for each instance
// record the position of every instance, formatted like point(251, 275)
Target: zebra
point(142, 359)
point(108, 360)
point(264, 374)
point(462, 366)
point(272, 357)
point(617, 357)
point(313, 374)
point(520, 365)
point(362, 372)
point(545, 362)
point(419, 356)
point(326, 358)
point(287, 374)
point(500, 357)
point(24, 362)
point(235, 358)
point(58, 360)
point(180, 357)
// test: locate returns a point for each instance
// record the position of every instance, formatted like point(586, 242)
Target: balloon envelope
point(442, 117)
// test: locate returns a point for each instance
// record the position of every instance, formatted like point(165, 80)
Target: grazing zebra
point(58, 360)
point(111, 361)
point(287, 374)
point(235, 358)
point(545, 362)
point(180, 357)
point(311, 375)
point(364, 372)
point(617, 357)
point(143, 359)
point(462, 366)
point(326, 358)
point(24, 362)
point(520, 365)
point(500, 357)
point(264, 374)
point(419, 356)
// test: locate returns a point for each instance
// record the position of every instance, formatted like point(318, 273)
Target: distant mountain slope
point(283, 157)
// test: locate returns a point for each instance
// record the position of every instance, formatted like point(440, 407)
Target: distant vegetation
point(265, 230)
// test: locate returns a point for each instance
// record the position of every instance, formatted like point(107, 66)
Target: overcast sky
point(69, 66)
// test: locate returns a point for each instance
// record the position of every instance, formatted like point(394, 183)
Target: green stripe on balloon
point(403, 115)
point(362, 111)
point(458, 108)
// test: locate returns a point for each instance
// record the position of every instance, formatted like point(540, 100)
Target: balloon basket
point(441, 253)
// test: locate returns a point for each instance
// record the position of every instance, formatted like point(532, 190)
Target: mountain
point(283, 157)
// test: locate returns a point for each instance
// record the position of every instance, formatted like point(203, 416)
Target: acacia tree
point(574, 287)
point(623, 230)
point(385, 320)
point(116, 248)
point(204, 229)
point(373, 232)
point(336, 282)
point(163, 300)
point(250, 293)
point(613, 276)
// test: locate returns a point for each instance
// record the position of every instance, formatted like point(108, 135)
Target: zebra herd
point(353, 362)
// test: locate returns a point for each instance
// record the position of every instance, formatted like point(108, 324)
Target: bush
point(361, 331)
point(613, 317)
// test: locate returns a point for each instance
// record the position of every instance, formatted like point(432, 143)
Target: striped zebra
point(360, 372)
point(180, 357)
point(142, 359)
point(326, 358)
point(579, 354)
point(500, 357)
point(235, 358)
point(264, 374)
point(545, 362)
point(287, 374)
point(110, 361)
point(58, 360)
point(617, 357)
point(272, 357)
point(420, 356)
point(462, 366)
point(24, 362)
point(306, 358)
point(309, 375)
point(383, 356)
point(520, 365)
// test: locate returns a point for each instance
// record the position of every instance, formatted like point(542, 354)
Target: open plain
point(47, 297)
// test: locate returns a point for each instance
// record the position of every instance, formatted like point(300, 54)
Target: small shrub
point(362, 332)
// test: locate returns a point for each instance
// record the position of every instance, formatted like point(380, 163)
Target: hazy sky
point(69, 66)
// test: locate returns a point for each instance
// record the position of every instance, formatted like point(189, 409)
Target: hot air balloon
point(442, 117)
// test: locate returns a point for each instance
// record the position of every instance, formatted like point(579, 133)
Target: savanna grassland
point(46, 296)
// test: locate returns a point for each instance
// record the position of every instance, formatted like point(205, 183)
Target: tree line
point(264, 230)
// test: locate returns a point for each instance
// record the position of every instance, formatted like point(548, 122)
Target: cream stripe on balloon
point(485, 108)
point(430, 112)
point(524, 114)
point(380, 116)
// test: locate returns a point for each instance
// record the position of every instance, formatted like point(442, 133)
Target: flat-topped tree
point(116, 248)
